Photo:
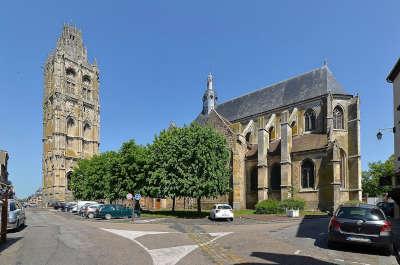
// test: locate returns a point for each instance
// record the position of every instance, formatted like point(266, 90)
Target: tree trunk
point(4, 218)
point(199, 205)
point(184, 203)
point(173, 204)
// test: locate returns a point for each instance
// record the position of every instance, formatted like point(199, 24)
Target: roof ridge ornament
point(209, 81)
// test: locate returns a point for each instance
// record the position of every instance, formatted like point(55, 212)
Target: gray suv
point(16, 214)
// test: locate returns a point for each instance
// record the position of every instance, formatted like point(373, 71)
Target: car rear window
point(225, 207)
point(359, 213)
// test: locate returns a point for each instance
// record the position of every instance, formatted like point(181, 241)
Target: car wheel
point(107, 216)
point(90, 215)
point(230, 219)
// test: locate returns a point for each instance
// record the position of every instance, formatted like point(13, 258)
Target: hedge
point(272, 206)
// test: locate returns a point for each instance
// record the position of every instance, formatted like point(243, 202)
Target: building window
point(86, 79)
point(309, 120)
point(86, 131)
point(307, 174)
point(272, 134)
point(338, 118)
point(70, 72)
point(254, 180)
point(343, 169)
point(70, 126)
point(275, 177)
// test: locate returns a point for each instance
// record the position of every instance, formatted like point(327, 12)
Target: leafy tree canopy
point(371, 183)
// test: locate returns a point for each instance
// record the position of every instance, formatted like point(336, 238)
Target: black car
point(361, 224)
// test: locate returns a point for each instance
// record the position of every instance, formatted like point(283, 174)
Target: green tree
point(371, 184)
point(192, 161)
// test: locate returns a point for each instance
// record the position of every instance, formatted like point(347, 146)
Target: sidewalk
point(270, 218)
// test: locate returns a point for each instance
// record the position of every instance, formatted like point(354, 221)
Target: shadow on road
point(317, 229)
point(8, 243)
point(22, 227)
point(284, 259)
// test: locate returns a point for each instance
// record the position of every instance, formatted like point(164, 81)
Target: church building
point(297, 138)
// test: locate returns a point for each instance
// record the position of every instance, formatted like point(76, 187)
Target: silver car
point(16, 214)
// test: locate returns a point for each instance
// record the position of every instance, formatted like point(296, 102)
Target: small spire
point(209, 82)
point(325, 62)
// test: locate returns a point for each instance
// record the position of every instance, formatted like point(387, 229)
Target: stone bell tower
point(71, 113)
point(210, 96)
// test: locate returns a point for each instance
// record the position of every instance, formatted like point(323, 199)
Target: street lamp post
point(379, 135)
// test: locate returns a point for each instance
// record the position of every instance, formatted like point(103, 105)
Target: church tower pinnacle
point(210, 96)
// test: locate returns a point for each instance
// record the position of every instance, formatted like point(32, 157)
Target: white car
point(221, 211)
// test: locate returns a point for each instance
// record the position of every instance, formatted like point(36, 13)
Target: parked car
point(92, 210)
point(221, 211)
point(361, 224)
point(109, 211)
point(79, 204)
point(387, 208)
point(69, 206)
point(16, 214)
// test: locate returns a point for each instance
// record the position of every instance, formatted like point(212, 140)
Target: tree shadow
point(10, 241)
point(284, 259)
point(178, 214)
point(317, 229)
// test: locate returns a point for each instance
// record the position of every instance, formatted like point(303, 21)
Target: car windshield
point(224, 207)
point(359, 213)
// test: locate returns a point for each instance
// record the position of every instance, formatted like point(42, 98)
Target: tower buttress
point(210, 96)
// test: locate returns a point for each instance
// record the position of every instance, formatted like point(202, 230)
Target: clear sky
point(154, 57)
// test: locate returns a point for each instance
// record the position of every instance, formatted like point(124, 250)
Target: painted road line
point(172, 255)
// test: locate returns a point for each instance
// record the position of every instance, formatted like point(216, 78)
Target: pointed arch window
point(343, 169)
point(309, 120)
point(338, 122)
point(275, 181)
point(307, 174)
point(254, 180)
point(70, 126)
point(272, 133)
point(86, 131)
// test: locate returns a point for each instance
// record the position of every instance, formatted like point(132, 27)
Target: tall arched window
point(338, 122)
point(70, 72)
point(86, 131)
point(248, 135)
point(307, 174)
point(275, 177)
point(272, 133)
point(70, 126)
point(309, 120)
point(343, 169)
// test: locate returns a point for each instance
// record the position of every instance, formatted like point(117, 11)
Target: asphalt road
point(64, 239)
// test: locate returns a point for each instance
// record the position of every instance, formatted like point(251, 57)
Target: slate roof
point(394, 72)
point(312, 84)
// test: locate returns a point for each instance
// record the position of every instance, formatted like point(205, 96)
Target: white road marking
point(164, 256)
point(341, 260)
point(297, 252)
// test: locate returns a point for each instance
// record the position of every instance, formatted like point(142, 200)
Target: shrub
point(293, 204)
point(269, 206)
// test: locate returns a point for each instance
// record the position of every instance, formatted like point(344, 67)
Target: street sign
point(138, 196)
point(129, 196)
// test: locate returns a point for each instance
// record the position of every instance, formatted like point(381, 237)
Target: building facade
point(71, 113)
point(394, 78)
point(297, 138)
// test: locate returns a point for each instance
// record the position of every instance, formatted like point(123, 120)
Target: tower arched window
point(307, 174)
point(86, 79)
point(338, 122)
point(86, 131)
point(70, 72)
point(70, 126)
point(309, 120)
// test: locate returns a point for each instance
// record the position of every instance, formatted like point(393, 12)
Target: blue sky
point(154, 57)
